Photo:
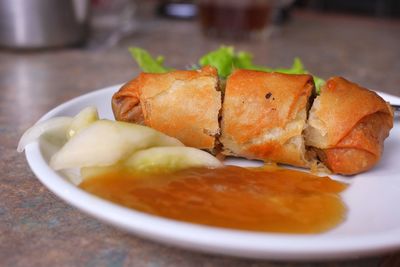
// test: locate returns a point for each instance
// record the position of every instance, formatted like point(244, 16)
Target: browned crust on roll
point(126, 102)
point(182, 104)
point(264, 114)
point(348, 125)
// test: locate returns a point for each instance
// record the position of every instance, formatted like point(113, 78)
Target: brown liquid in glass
point(233, 20)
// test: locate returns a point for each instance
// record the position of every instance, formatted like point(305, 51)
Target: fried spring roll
point(182, 104)
point(264, 115)
point(347, 126)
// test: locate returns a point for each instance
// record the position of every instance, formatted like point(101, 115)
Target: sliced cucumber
point(53, 129)
point(82, 120)
point(104, 143)
point(169, 159)
point(93, 172)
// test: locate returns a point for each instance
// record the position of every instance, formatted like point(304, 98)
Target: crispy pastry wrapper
point(264, 115)
point(182, 104)
point(347, 126)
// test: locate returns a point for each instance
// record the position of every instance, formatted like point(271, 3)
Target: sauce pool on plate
point(256, 199)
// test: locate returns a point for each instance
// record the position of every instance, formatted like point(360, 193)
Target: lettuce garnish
point(224, 59)
point(146, 62)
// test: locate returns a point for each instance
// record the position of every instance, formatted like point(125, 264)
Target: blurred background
point(60, 49)
point(96, 24)
point(55, 50)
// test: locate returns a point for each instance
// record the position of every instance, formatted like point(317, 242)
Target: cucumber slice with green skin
point(82, 120)
point(93, 172)
point(104, 143)
point(157, 160)
point(170, 159)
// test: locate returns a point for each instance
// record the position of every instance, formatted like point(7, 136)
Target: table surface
point(38, 229)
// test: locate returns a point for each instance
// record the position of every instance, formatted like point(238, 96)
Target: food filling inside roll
point(347, 126)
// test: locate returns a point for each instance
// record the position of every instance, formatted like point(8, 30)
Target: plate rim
point(251, 245)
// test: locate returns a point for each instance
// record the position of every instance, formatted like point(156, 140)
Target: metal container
point(34, 24)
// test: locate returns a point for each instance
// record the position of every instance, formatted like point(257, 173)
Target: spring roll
point(264, 115)
point(347, 126)
point(182, 104)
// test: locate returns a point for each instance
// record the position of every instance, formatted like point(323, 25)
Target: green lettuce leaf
point(146, 62)
point(244, 60)
point(224, 59)
point(319, 82)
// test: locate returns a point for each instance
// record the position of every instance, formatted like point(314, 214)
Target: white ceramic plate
point(373, 200)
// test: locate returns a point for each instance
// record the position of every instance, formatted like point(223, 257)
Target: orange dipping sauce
point(256, 199)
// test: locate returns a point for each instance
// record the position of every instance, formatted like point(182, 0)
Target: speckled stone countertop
point(38, 229)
